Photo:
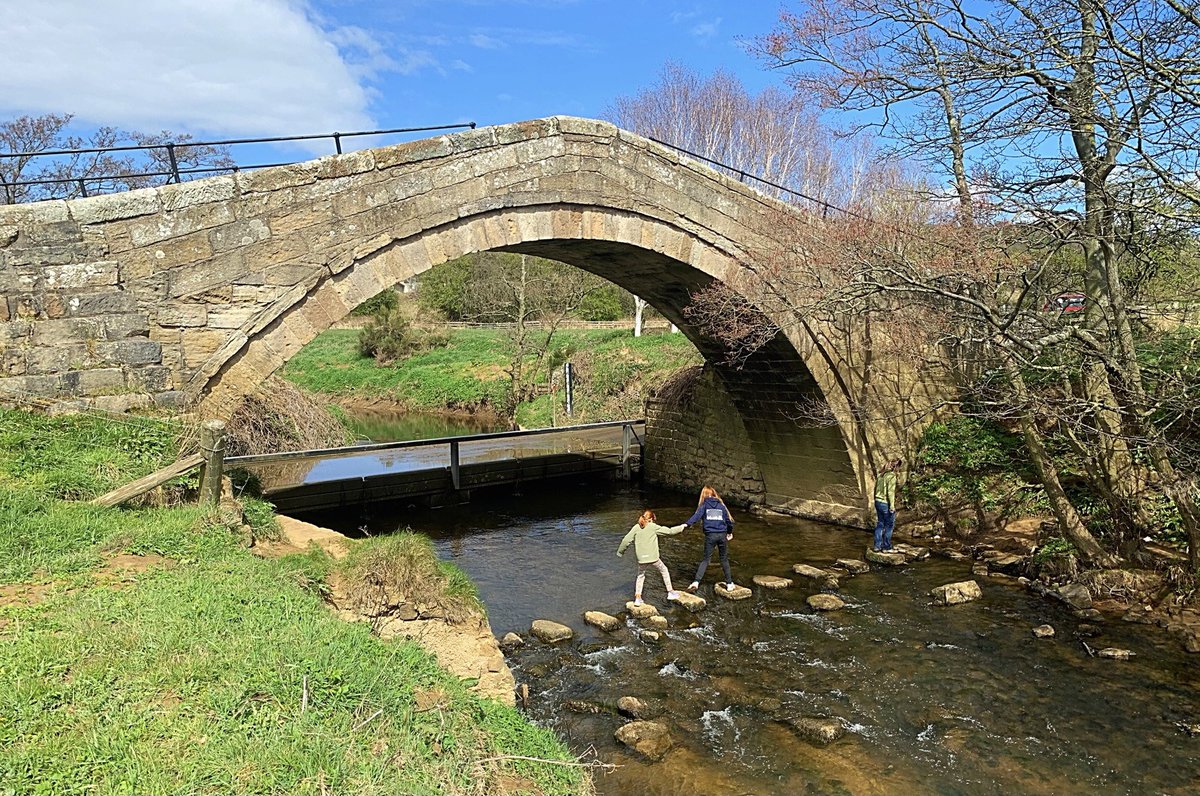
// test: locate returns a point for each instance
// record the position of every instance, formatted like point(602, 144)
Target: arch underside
point(773, 389)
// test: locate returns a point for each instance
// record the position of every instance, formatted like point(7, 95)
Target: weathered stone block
point(100, 381)
point(274, 179)
point(116, 206)
point(346, 164)
point(106, 303)
point(131, 352)
point(231, 317)
point(202, 277)
point(149, 231)
point(412, 152)
point(80, 275)
point(198, 192)
point(182, 315)
point(238, 235)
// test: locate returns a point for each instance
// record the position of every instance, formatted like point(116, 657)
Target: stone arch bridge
point(191, 294)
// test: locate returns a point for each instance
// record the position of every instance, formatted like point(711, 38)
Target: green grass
point(614, 370)
point(216, 672)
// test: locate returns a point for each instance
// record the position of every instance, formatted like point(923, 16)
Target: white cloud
point(214, 66)
point(706, 30)
point(484, 42)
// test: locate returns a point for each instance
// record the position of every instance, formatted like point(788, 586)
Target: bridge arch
point(235, 274)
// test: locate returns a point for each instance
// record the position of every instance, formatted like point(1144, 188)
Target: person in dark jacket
point(718, 532)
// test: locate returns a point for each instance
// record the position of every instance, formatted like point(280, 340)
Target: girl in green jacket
point(644, 537)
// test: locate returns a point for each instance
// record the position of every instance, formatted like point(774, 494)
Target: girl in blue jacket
point(718, 532)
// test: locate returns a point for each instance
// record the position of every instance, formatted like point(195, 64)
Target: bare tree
point(1066, 131)
point(32, 176)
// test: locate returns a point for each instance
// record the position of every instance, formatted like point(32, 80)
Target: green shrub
point(380, 302)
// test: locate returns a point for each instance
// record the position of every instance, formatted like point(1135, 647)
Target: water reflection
point(960, 700)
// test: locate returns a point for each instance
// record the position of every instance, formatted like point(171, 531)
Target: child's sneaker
point(672, 595)
point(695, 585)
point(729, 586)
point(638, 600)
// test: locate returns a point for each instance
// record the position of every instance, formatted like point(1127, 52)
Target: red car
point(1065, 302)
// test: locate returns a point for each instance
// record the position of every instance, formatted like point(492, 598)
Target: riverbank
point(613, 372)
point(147, 649)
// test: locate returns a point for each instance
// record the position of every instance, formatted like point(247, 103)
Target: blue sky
point(218, 68)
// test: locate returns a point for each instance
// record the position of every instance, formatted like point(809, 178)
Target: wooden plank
point(144, 485)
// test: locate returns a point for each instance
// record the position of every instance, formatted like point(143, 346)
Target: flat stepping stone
point(692, 602)
point(807, 571)
point(650, 636)
point(737, 593)
point(550, 632)
point(912, 552)
point(825, 602)
point(655, 622)
point(772, 582)
point(956, 593)
point(601, 620)
point(886, 558)
point(640, 611)
point(853, 566)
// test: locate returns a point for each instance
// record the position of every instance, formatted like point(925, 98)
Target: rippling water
point(960, 700)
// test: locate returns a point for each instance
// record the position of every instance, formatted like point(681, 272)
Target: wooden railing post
point(212, 448)
point(455, 474)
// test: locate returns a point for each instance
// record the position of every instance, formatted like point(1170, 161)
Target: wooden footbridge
point(443, 470)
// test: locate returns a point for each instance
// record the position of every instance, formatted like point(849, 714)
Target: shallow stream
point(960, 700)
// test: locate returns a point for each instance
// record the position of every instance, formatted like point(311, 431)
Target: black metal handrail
point(351, 450)
point(171, 147)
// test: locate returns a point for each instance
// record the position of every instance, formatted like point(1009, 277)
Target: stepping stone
point(738, 592)
point(911, 551)
point(771, 582)
point(601, 620)
point(1115, 653)
point(650, 738)
point(853, 566)
point(550, 632)
point(650, 636)
point(655, 622)
point(956, 593)
point(692, 602)
point(641, 611)
point(1044, 631)
point(825, 602)
point(806, 571)
point(888, 559)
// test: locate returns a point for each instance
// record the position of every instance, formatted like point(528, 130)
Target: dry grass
point(281, 417)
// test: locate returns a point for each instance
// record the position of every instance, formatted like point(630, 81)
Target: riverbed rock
point(956, 593)
point(1044, 631)
point(853, 566)
point(512, 641)
point(737, 593)
point(1007, 563)
point(911, 552)
point(601, 620)
point(1116, 653)
point(770, 705)
point(655, 622)
point(639, 708)
point(1075, 595)
point(1088, 614)
point(692, 602)
point(640, 611)
point(772, 582)
point(651, 739)
point(583, 706)
point(817, 730)
point(825, 602)
point(650, 636)
point(886, 558)
point(1088, 631)
point(980, 569)
point(550, 632)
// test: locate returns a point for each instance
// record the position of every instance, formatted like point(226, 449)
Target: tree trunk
point(639, 306)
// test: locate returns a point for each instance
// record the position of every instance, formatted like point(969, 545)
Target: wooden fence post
point(212, 448)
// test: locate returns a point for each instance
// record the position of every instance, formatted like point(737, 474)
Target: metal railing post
point(455, 472)
point(337, 142)
point(82, 188)
point(174, 162)
point(626, 464)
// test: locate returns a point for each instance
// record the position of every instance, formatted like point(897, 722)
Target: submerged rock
point(1044, 631)
point(911, 552)
point(691, 602)
point(1116, 653)
point(956, 593)
point(825, 602)
point(637, 708)
point(583, 706)
point(512, 641)
point(640, 611)
point(649, 738)
point(1088, 631)
point(886, 558)
point(772, 582)
point(770, 705)
point(650, 636)
point(853, 566)
point(737, 593)
point(550, 632)
point(601, 620)
point(817, 730)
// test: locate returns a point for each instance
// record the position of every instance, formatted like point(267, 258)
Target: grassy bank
point(614, 371)
point(205, 669)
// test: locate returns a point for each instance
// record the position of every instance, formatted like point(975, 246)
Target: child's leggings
point(662, 570)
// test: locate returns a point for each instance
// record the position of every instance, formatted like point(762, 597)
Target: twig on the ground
point(366, 721)
point(580, 764)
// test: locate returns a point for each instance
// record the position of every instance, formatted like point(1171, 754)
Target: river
point(958, 700)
